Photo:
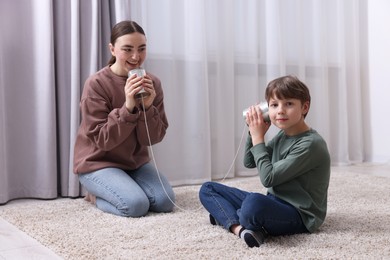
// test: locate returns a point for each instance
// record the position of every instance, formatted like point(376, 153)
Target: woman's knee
point(135, 206)
point(164, 202)
point(164, 205)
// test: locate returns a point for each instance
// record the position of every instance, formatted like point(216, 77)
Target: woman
point(111, 149)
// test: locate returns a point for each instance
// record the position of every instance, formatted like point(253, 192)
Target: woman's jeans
point(129, 193)
point(253, 211)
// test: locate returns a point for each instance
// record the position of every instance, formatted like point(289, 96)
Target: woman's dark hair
point(123, 28)
point(288, 87)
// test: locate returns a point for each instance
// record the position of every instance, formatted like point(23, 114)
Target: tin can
point(263, 106)
point(140, 72)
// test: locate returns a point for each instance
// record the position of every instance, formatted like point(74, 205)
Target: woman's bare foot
point(90, 198)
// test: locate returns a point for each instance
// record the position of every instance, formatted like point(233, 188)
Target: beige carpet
point(357, 227)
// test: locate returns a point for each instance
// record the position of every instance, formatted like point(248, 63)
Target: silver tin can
point(140, 72)
point(263, 106)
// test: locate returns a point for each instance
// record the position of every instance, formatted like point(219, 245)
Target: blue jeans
point(254, 211)
point(129, 193)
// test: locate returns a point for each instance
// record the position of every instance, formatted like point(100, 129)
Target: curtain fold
point(214, 59)
point(82, 36)
point(29, 139)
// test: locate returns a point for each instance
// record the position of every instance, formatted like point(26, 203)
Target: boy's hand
point(257, 126)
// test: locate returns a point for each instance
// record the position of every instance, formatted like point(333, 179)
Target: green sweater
point(295, 169)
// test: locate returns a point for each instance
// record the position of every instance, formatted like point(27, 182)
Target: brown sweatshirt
point(110, 136)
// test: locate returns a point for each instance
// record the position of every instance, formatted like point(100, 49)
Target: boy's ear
point(305, 107)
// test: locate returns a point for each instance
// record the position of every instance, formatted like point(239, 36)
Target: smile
point(132, 63)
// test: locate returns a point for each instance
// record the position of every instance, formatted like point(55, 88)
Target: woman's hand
point(133, 85)
point(148, 87)
point(257, 126)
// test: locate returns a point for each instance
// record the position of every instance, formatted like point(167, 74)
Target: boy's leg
point(267, 212)
point(222, 202)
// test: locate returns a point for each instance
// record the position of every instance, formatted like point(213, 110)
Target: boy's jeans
point(253, 211)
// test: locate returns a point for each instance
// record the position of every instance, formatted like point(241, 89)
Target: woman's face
point(130, 52)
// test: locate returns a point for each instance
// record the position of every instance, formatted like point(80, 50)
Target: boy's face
point(287, 114)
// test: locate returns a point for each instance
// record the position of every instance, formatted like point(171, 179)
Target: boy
point(294, 166)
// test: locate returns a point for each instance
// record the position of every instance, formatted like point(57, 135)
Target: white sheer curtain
point(214, 58)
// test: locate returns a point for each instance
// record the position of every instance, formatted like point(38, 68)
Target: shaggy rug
point(357, 227)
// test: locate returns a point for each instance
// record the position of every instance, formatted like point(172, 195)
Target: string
point(158, 172)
